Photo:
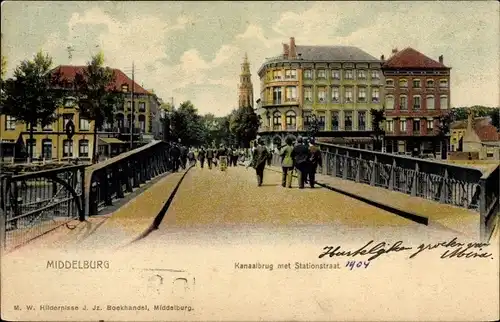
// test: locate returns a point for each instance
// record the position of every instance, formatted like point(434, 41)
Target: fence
point(433, 180)
point(115, 177)
point(35, 203)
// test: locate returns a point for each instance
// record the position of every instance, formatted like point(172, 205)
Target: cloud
point(177, 57)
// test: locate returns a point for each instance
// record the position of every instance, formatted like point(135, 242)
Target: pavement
point(127, 220)
point(463, 222)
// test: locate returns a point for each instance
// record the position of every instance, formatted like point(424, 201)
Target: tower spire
point(245, 88)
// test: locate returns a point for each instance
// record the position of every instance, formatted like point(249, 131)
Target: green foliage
point(244, 124)
point(187, 125)
point(97, 99)
point(461, 113)
point(495, 117)
point(313, 127)
point(378, 117)
point(30, 96)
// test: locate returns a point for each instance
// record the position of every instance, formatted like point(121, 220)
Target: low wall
point(462, 156)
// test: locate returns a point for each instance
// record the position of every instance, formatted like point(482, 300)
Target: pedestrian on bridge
point(191, 158)
point(175, 154)
point(184, 154)
point(301, 157)
point(261, 156)
point(210, 157)
point(315, 160)
point(287, 163)
point(201, 156)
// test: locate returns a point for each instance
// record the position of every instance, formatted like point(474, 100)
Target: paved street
point(213, 206)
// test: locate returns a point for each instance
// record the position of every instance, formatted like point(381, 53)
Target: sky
point(194, 50)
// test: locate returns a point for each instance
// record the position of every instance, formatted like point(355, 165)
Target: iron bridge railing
point(33, 204)
point(433, 180)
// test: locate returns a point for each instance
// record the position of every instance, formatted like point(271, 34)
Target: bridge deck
point(213, 202)
point(463, 222)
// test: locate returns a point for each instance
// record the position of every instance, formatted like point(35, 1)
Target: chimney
point(441, 59)
point(286, 50)
point(394, 51)
point(293, 53)
point(382, 58)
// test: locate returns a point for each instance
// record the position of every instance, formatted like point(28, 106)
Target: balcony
point(291, 127)
point(361, 127)
point(280, 102)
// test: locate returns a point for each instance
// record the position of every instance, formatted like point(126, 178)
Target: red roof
point(411, 58)
point(69, 72)
point(487, 133)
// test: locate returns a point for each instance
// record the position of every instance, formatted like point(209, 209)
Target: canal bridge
point(135, 196)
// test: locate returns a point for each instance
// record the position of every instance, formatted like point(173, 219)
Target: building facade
point(245, 88)
point(417, 95)
point(52, 143)
point(477, 136)
point(336, 85)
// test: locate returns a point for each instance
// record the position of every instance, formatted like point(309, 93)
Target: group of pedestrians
point(181, 156)
point(304, 157)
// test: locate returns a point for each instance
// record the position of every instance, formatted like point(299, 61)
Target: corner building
point(417, 95)
point(337, 84)
point(51, 142)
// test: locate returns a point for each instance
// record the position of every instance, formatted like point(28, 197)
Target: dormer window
point(125, 88)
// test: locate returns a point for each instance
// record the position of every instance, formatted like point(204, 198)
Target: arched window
point(120, 120)
point(443, 102)
point(277, 121)
point(403, 83)
point(83, 148)
point(403, 102)
point(142, 123)
point(430, 102)
point(291, 120)
point(47, 149)
point(389, 102)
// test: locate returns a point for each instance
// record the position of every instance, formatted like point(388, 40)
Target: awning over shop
point(110, 141)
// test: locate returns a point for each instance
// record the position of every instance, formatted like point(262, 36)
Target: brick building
point(417, 95)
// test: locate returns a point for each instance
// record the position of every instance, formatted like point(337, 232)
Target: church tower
point(245, 89)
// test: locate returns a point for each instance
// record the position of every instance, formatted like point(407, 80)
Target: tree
point(244, 124)
point(313, 127)
point(378, 117)
point(31, 96)
point(187, 125)
point(495, 117)
point(96, 95)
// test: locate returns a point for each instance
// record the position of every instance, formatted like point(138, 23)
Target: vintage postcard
point(249, 161)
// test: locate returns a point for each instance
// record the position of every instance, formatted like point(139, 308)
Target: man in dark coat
point(175, 154)
point(301, 157)
point(184, 155)
point(261, 156)
point(315, 160)
point(201, 156)
point(210, 157)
